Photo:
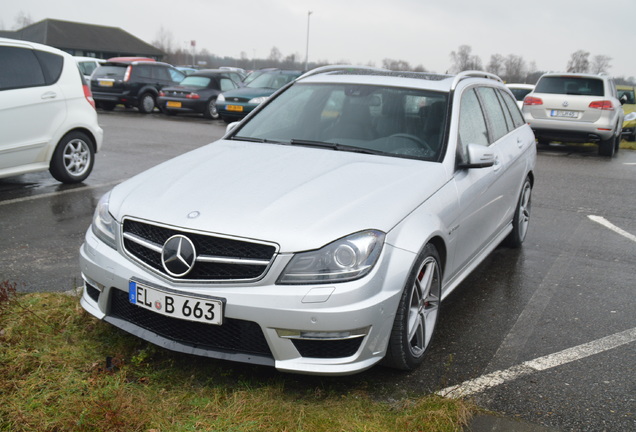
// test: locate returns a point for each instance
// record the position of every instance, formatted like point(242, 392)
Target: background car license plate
point(560, 113)
point(198, 309)
point(234, 108)
point(173, 104)
point(105, 83)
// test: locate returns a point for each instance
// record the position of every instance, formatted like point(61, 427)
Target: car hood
point(300, 198)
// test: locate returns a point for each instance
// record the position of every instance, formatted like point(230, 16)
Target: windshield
point(195, 81)
point(627, 95)
point(272, 80)
point(372, 119)
point(520, 93)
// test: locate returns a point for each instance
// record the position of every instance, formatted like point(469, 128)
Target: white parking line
point(608, 224)
point(50, 194)
point(485, 382)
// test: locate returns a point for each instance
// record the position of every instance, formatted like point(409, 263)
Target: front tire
point(73, 158)
point(417, 313)
point(521, 219)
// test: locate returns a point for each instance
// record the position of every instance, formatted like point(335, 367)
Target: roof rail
point(474, 74)
point(340, 68)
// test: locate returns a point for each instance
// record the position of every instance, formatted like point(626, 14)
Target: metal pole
point(307, 47)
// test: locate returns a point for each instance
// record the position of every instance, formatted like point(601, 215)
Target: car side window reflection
point(472, 125)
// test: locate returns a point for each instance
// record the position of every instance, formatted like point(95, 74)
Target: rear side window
point(517, 117)
point(52, 65)
point(571, 85)
point(20, 68)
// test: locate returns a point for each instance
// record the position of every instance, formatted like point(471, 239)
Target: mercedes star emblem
point(178, 255)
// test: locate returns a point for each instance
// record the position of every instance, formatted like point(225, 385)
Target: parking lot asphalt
point(547, 327)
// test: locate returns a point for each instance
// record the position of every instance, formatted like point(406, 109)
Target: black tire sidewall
point(57, 168)
point(398, 353)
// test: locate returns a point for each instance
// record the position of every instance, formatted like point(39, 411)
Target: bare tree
point(463, 60)
point(22, 20)
point(275, 55)
point(601, 64)
point(579, 62)
point(515, 68)
point(397, 65)
point(164, 40)
point(496, 64)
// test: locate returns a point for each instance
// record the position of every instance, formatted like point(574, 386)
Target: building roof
point(73, 36)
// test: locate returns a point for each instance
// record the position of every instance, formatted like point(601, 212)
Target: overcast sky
point(421, 32)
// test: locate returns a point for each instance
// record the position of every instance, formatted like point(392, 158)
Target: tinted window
point(20, 68)
point(227, 84)
point(110, 71)
point(472, 125)
point(494, 112)
point(52, 65)
point(520, 93)
point(143, 71)
point(570, 85)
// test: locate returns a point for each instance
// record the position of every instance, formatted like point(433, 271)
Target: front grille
point(327, 348)
point(206, 246)
point(234, 336)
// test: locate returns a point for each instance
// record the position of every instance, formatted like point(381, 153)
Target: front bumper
point(262, 321)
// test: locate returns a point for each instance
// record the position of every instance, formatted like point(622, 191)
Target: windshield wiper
point(256, 139)
point(332, 146)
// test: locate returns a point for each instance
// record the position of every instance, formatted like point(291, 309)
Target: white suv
point(576, 108)
point(47, 113)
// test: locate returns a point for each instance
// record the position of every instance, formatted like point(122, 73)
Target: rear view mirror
point(479, 156)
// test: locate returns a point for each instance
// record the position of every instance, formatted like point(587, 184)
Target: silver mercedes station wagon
point(321, 233)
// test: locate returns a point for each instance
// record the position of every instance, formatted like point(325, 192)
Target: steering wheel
point(421, 144)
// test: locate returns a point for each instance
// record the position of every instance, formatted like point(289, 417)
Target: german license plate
point(561, 113)
point(237, 108)
point(173, 104)
point(191, 308)
point(104, 83)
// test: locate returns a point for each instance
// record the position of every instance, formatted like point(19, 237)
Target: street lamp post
point(307, 47)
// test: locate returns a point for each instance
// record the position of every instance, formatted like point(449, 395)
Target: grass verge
point(62, 370)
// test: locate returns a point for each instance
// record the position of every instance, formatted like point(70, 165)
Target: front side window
point(493, 112)
point(472, 124)
point(226, 84)
point(365, 118)
point(20, 68)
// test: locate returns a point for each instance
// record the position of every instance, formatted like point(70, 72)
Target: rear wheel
point(210, 110)
point(146, 103)
point(73, 158)
point(521, 219)
point(417, 313)
point(607, 147)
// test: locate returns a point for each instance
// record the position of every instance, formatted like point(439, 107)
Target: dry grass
point(56, 377)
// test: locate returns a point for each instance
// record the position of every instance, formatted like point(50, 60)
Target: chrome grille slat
point(219, 258)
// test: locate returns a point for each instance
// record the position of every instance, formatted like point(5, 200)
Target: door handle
point(49, 95)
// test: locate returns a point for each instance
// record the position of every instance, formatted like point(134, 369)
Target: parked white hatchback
point(322, 232)
point(47, 114)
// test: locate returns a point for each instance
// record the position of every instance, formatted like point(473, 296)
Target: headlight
point(220, 98)
point(631, 116)
point(347, 259)
point(104, 225)
point(259, 100)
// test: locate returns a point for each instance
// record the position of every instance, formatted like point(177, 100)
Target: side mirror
point(623, 99)
point(479, 156)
